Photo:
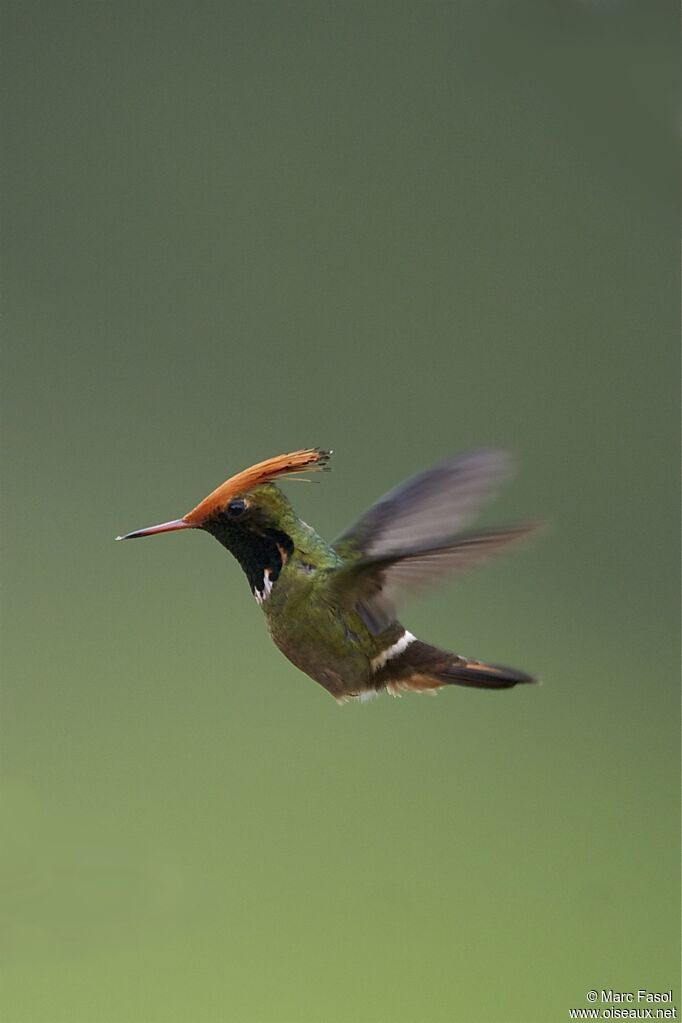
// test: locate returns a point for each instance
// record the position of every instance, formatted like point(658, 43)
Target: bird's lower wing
point(376, 586)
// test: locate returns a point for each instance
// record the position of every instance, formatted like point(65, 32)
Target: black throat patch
point(257, 550)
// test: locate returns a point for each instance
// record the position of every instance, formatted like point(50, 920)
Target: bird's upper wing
point(408, 538)
point(429, 509)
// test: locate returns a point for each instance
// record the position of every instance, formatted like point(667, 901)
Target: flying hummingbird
point(332, 608)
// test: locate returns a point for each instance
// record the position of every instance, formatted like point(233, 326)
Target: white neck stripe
point(262, 595)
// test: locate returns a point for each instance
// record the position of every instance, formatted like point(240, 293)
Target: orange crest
point(306, 460)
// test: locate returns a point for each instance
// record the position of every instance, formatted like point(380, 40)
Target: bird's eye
point(236, 508)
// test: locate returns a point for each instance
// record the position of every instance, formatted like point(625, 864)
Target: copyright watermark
point(641, 1004)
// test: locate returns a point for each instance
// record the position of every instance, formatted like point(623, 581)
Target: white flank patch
point(367, 695)
point(262, 595)
point(364, 697)
point(393, 651)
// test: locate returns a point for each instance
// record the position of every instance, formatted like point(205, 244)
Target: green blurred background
point(399, 230)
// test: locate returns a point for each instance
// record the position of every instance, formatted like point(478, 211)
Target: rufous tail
point(483, 676)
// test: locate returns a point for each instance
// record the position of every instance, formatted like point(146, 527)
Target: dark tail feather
point(424, 668)
point(482, 676)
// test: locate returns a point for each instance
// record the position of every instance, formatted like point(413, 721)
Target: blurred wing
point(378, 587)
point(427, 510)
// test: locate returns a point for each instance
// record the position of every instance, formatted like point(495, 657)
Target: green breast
point(329, 644)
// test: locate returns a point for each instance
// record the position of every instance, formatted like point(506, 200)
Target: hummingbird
point(332, 609)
